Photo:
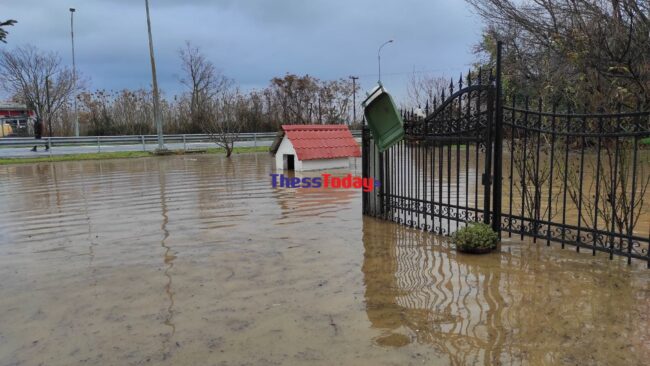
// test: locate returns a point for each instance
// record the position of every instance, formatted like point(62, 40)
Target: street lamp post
point(156, 97)
point(74, 74)
point(379, 56)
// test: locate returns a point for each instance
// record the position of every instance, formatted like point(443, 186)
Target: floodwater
point(187, 260)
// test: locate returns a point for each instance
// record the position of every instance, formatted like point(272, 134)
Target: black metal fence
point(574, 178)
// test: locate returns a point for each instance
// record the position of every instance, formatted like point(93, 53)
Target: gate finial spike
point(460, 81)
point(469, 77)
point(451, 86)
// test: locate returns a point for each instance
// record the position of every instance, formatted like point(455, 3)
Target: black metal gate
point(573, 178)
point(439, 176)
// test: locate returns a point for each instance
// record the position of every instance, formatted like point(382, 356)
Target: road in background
point(21, 147)
point(25, 152)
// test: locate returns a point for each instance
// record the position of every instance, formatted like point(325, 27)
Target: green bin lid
point(383, 119)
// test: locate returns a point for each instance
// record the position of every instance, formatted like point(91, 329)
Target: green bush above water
point(475, 236)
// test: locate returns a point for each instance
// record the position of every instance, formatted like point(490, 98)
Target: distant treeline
point(288, 100)
point(210, 101)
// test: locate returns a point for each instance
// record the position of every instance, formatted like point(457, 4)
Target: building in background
point(19, 117)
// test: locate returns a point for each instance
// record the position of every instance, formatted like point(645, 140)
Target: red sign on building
point(16, 119)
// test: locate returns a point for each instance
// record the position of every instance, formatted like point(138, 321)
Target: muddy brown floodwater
point(199, 261)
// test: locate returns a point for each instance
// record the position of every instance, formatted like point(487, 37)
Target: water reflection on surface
point(524, 304)
point(198, 260)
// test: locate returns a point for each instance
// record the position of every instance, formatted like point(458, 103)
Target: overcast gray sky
point(252, 41)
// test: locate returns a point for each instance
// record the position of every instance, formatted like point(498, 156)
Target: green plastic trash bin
point(383, 119)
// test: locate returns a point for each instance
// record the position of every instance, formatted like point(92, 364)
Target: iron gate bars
point(430, 180)
point(578, 178)
point(571, 177)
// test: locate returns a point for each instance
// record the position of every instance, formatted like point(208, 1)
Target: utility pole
point(156, 97)
point(74, 75)
point(49, 110)
point(354, 98)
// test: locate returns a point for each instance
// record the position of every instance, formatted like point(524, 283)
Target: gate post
point(498, 149)
point(372, 166)
point(487, 172)
point(380, 176)
point(364, 165)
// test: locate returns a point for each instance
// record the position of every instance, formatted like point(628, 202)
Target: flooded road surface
point(198, 260)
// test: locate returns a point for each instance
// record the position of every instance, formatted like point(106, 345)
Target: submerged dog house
point(314, 147)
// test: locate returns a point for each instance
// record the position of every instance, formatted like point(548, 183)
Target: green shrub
point(477, 235)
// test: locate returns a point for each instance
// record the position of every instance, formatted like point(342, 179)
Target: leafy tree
point(579, 52)
point(3, 32)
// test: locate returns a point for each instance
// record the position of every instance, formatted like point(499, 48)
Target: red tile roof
point(313, 142)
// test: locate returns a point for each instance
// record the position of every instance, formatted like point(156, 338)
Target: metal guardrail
point(125, 140)
point(133, 139)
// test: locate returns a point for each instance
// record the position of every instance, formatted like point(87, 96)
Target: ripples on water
point(198, 260)
point(525, 305)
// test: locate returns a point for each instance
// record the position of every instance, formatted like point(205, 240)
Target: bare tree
point(532, 172)
point(203, 80)
point(422, 88)
point(226, 122)
point(607, 199)
point(23, 73)
point(214, 104)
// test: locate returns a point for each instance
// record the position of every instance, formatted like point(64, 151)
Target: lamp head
point(72, 10)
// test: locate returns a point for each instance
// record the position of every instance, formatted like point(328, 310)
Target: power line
point(411, 72)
